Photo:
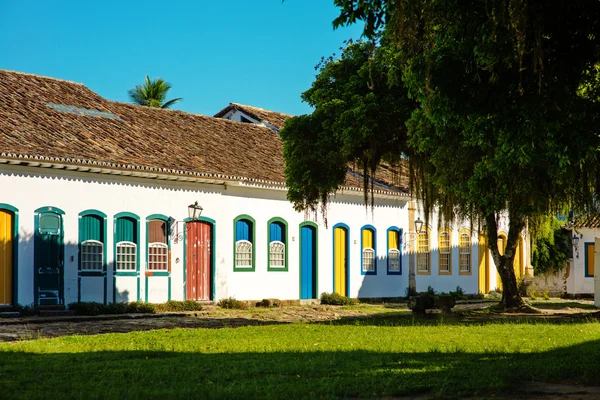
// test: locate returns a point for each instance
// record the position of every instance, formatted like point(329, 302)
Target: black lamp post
point(418, 225)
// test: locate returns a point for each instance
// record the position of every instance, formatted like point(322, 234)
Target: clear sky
point(257, 52)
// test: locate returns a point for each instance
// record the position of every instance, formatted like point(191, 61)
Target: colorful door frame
point(341, 253)
point(213, 271)
point(48, 277)
point(309, 291)
point(14, 212)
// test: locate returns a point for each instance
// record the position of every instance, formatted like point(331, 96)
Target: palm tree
point(152, 94)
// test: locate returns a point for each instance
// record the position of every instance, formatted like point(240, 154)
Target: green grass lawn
point(356, 358)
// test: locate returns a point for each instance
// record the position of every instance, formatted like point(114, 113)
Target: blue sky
point(257, 52)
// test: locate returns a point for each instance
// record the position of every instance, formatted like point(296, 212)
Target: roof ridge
point(209, 117)
point(46, 77)
point(259, 108)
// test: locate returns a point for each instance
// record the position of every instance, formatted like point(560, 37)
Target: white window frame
point(133, 263)
point(277, 253)
point(368, 259)
point(85, 255)
point(162, 265)
point(239, 249)
point(394, 260)
point(464, 253)
point(423, 251)
point(444, 250)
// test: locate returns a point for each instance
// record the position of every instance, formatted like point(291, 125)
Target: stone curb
point(86, 318)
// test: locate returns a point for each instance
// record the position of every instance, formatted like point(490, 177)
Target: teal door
point(49, 257)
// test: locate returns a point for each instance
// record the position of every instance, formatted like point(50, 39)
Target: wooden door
point(49, 258)
point(340, 261)
point(6, 257)
point(199, 250)
point(308, 263)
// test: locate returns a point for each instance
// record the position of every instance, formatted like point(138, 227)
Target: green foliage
point(431, 291)
point(232, 303)
point(178, 306)
point(410, 291)
point(153, 93)
point(94, 308)
point(25, 310)
point(551, 247)
point(358, 120)
point(336, 299)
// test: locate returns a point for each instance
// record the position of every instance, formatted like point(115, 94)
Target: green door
point(49, 257)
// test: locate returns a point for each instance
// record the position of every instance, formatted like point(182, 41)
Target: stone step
point(49, 307)
point(55, 313)
point(9, 314)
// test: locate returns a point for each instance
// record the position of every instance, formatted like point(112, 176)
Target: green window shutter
point(126, 230)
point(91, 228)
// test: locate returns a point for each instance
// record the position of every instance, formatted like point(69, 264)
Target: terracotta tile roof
point(586, 221)
point(51, 120)
point(149, 138)
point(387, 177)
point(274, 118)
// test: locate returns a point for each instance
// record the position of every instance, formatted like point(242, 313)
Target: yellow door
point(6, 257)
point(484, 265)
point(518, 263)
point(339, 261)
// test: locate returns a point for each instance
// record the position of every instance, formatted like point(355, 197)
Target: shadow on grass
point(549, 305)
point(467, 317)
point(310, 374)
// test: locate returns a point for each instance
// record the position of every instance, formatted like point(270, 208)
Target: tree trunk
point(505, 263)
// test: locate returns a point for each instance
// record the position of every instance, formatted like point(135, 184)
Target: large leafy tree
point(507, 115)
point(152, 93)
point(358, 119)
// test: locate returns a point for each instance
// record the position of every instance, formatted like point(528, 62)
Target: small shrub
point(232, 303)
point(140, 307)
point(494, 295)
point(336, 299)
point(546, 295)
point(178, 306)
point(532, 293)
point(431, 291)
point(116, 308)
point(25, 311)
point(459, 293)
point(269, 303)
point(88, 308)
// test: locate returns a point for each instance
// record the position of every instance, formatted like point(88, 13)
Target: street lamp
point(576, 245)
point(418, 225)
point(194, 211)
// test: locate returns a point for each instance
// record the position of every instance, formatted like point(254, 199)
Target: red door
point(198, 260)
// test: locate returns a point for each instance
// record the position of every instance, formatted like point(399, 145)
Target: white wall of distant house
point(577, 282)
point(28, 189)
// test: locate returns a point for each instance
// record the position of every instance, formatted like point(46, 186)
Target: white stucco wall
point(577, 282)
point(28, 189)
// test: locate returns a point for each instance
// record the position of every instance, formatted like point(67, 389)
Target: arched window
point(501, 244)
point(464, 249)
point(158, 245)
point(423, 253)
point(126, 242)
point(444, 256)
point(92, 239)
point(368, 255)
point(277, 252)
point(244, 243)
point(394, 255)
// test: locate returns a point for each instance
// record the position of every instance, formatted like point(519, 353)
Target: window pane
point(423, 252)
point(277, 254)
point(368, 260)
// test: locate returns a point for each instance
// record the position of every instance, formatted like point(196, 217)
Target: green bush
point(178, 306)
point(25, 311)
point(335, 299)
point(232, 303)
point(459, 293)
point(94, 308)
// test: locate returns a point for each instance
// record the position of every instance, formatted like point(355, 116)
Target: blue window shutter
point(276, 232)
point(126, 230)
point(243, 230)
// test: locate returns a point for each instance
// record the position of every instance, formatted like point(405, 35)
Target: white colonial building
point(95, 196)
